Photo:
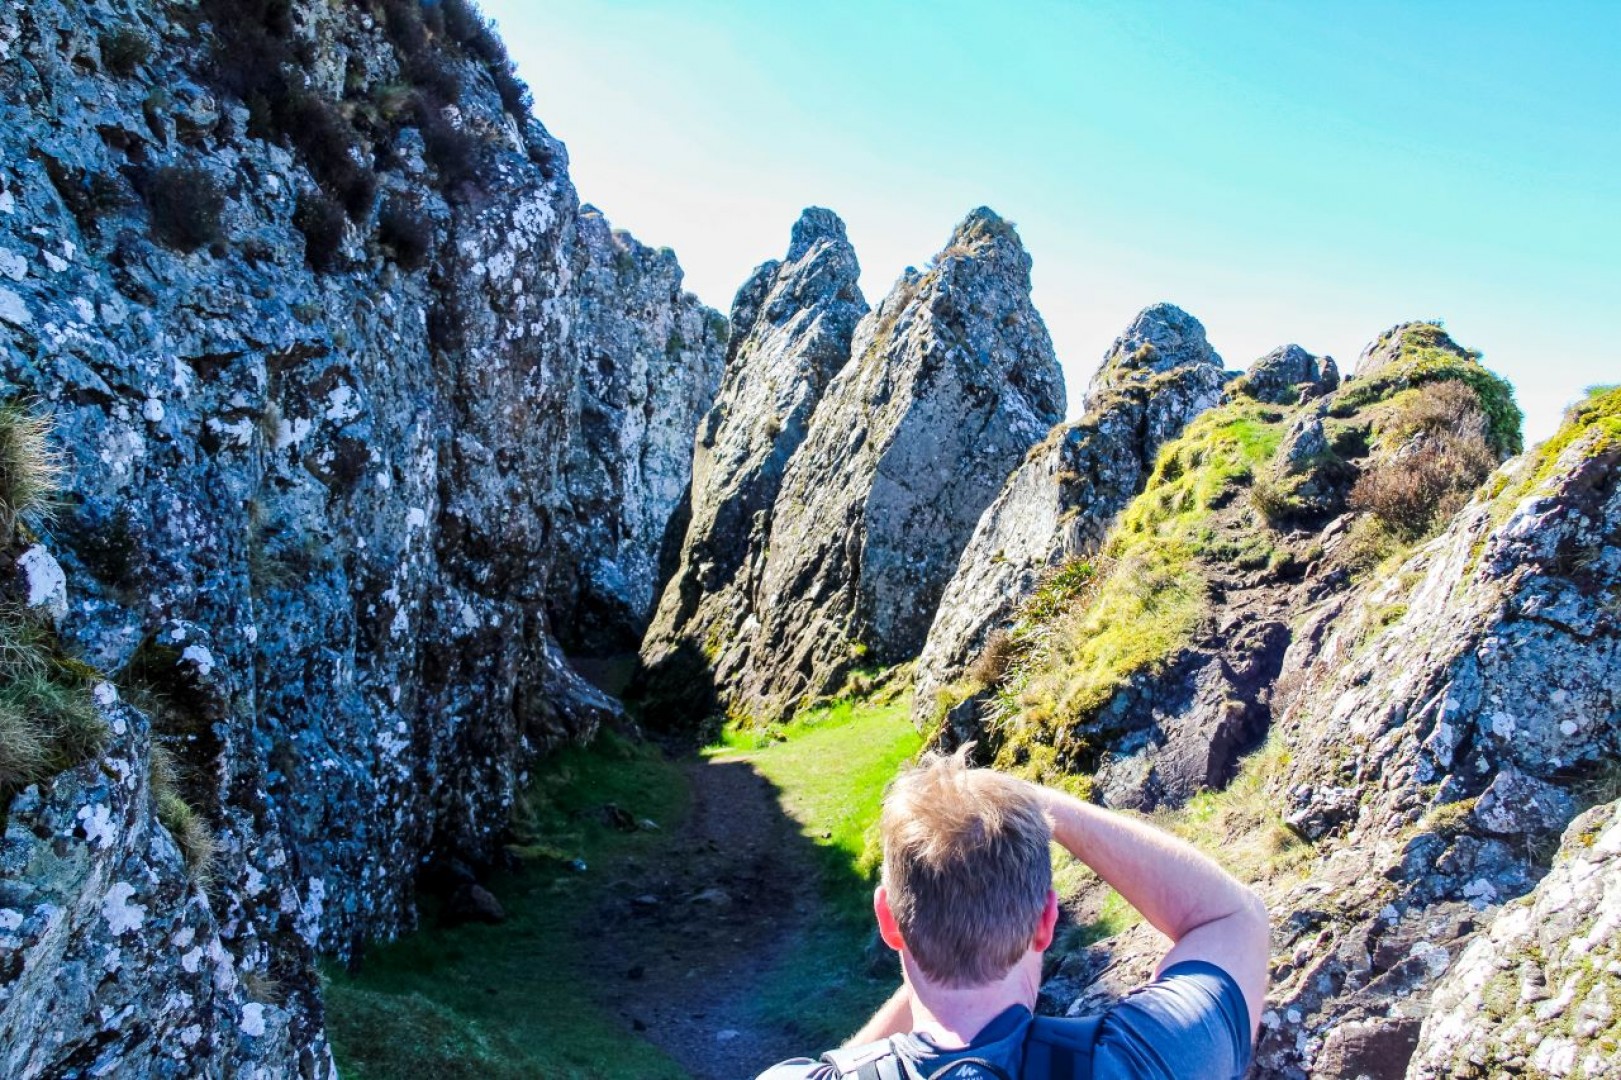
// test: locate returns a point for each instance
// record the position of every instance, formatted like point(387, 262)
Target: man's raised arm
point(1206, 912)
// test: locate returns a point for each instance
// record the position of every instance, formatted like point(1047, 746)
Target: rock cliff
point(1060, 501)
point(949, 382)
point(344, 372)
point(792, 324)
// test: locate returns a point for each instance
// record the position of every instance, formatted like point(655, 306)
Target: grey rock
point(949, 383)
point(1287, 372)
point(348, 489)
point(792, 324)
point(112, 960)
point(649, 363)
point(1061, 500)
point(1537, 993)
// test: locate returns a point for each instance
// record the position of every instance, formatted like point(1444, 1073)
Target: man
point(966, 900)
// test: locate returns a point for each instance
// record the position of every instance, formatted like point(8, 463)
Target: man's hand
point(1206, 912)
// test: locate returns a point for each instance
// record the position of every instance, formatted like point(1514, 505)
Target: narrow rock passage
point(686, 937)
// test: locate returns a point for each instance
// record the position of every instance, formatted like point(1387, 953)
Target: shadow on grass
point(741, 905)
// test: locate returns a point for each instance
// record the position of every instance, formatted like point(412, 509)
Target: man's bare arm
point(1206, 912)
point(892, 1018)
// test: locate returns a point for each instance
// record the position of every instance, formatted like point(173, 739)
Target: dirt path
point(684, 937)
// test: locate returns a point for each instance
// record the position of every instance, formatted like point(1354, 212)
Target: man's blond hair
point(966, 868)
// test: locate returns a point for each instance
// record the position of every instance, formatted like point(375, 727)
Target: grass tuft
point(30, 467)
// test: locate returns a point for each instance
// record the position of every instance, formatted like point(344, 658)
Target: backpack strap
point(1057, 1048)
point(870, 1061)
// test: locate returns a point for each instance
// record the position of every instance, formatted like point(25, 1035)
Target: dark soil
point(685, 938)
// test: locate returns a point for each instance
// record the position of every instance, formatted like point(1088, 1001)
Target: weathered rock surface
point(314, 513)
point(1539, 993)
point(1289, 373)
point(649, 363)
point(792, 324)
point(949, 383)
point(1060, 502)
point(1435, 730)
point(100, 919)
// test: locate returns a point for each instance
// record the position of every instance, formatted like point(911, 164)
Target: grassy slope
point(831, 771)
point(506, 1001)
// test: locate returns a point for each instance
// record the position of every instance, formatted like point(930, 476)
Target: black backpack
point(1054, 1049)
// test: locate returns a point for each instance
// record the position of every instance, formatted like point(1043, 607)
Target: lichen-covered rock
point(1289, 372)
point(1060, 502)
point(320, 417)
point(950, 382)
point(1539, 993)
point(1459, 739)
point(111, 960)
point(792, 323)
point(650, 360)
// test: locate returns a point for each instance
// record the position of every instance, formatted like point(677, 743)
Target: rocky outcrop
point(1538, 993)
point(792, 323)
point(1435, 730)
point(306, 291)
point(950, 381)
point(1157, 673)
point(649, 358)
point(1061, 500)
point(1427, 773)
point(1288, 374)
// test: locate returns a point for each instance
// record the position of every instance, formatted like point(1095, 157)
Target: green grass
point(1594, 422)
point(507, 1001)
point(1149, 595)
point(1428, 355)
point(830, 767)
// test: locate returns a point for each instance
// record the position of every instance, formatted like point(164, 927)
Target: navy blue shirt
point(1189, 1024)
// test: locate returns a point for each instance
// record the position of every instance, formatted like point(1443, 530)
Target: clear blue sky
point(1309, 172)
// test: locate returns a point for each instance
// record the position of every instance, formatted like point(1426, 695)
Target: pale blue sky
point(1308, 172)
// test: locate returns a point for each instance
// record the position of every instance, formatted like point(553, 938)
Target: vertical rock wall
point(328, 441)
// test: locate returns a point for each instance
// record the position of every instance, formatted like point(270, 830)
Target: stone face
point(1460, 773)
point(318, 513)
point(1539, 991)
point(111, 953)
point(1060, 502)
point(949, 382)
point(649, 363)
point(792, 323)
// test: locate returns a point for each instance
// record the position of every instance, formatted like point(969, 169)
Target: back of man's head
point(966, 868)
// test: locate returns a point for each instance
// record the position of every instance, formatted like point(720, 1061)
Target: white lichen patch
point(341, 404)
point(97, 824)
point(253, 1019)
point(13, 310)
point(200, 658)
point(13, 265)
point(44, 581)
point(121, 915)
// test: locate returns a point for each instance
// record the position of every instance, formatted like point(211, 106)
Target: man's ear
point(888, 928)
point(1047, 924)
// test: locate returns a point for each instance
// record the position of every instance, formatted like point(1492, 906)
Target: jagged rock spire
point(792, 323)
point(949, 382)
